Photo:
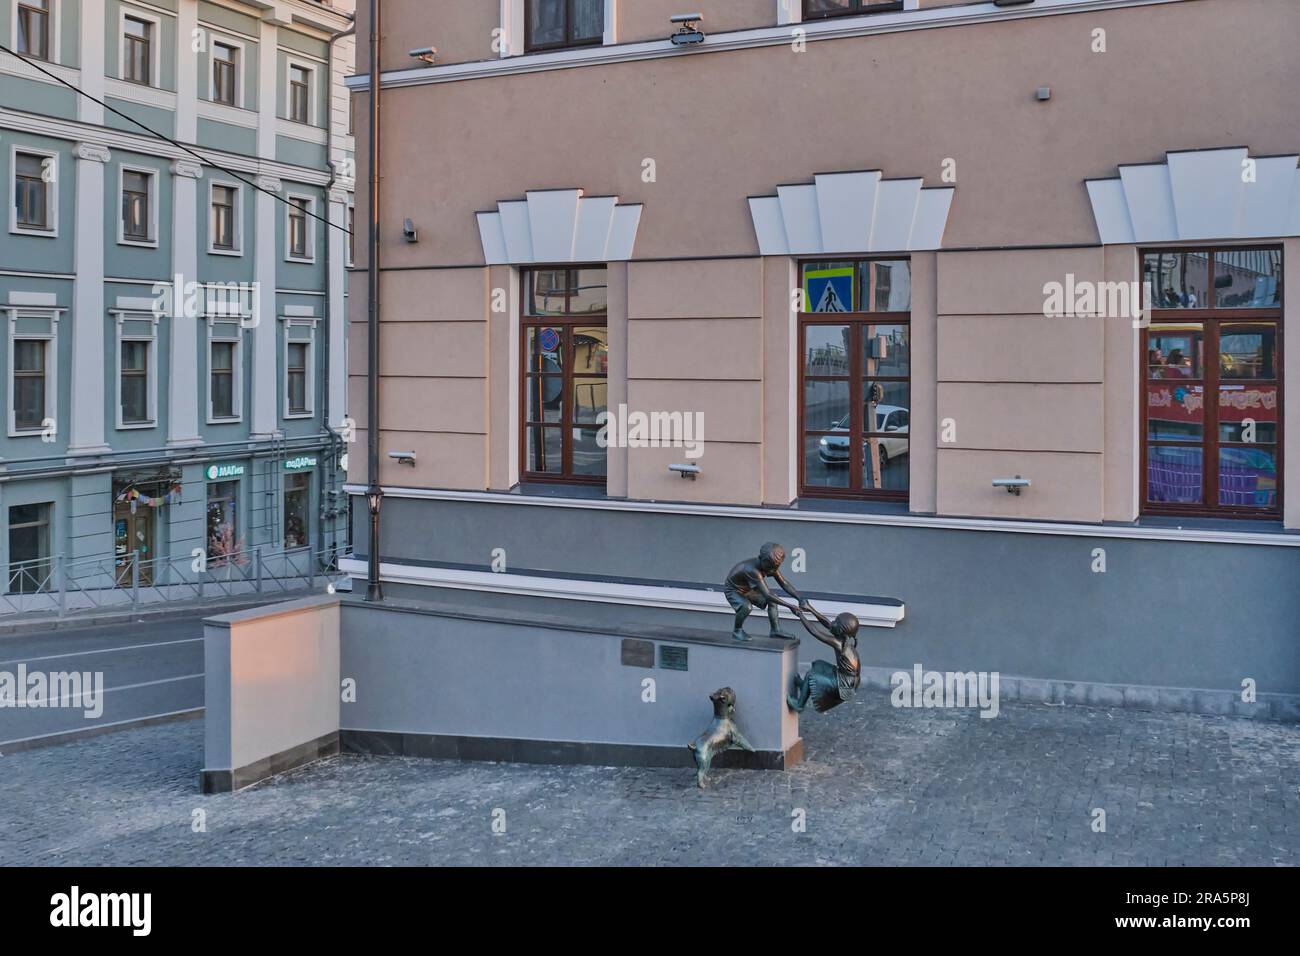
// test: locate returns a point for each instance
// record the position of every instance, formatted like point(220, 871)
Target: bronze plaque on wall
point(638, 653)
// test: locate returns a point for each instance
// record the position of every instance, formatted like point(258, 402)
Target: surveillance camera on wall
point(686, 471)
point(424, 54)
point(1013, 485)
point(409, 232)
point(403, 457)
point(689, 33)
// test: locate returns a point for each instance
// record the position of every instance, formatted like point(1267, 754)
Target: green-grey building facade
point(172, 281)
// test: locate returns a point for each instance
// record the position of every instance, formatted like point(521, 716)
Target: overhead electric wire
point(167, 139)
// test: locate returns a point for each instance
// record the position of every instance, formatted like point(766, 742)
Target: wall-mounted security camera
point(686, 471)
point(409, 232)
point(424, 54)
point(1013, 485)
point(403, 457)
point(689, 33)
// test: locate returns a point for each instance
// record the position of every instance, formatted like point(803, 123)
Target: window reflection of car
point(890, 419)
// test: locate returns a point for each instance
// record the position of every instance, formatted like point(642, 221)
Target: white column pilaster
point(337, 317)
point(183, 396)
point(265, 405)
point(87, 394)
point(265, 417)
point(187, 71)
point(94, 36)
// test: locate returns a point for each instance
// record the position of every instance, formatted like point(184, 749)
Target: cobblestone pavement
point(880, 786)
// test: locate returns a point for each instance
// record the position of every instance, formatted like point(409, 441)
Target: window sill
point(560, 489)
point(139, 243)
point(225, 421)
point(1246, 525)
point(34, 233)
point(27, 433)
point(135, 426)
point(233, 253)
point(298, 416)
point(294, 260)
point(860, 506)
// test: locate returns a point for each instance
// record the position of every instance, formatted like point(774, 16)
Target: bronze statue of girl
point(825, 684)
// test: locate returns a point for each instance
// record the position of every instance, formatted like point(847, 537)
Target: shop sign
point(301, 463)
point(225, 471)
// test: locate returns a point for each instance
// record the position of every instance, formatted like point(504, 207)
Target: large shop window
point(1212, 415)
point(566, 359)
point(855, 378)
point(224, 542)
point(556, 24)
point(29, 548)
point(297, 499)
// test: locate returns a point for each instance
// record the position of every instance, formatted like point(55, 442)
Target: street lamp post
point(374, 493)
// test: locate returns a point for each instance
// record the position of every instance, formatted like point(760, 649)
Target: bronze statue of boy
point(746, 588)
point(825, 684)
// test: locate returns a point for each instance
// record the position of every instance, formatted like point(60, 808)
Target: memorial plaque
point(672, 658)
point(638, 653)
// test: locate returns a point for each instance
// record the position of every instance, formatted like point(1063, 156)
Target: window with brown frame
point(296, 363)
point(29, 378)
point(1212, 358)
point(566, 361)
point(34, 28)
point(136, 218)
point(135, 382)
point(225, 60)
point(137, 51)
point(855, 378)
point(32, 177)
point(299, 94)
point(223, 217)
point(222, 372)
point(822, 9)
point(556, 24)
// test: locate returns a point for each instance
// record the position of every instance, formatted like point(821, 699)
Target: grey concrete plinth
point(451, 682)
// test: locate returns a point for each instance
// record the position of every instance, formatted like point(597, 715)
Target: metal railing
point(65, 587)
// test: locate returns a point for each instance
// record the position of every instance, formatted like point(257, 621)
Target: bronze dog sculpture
point(722, 735)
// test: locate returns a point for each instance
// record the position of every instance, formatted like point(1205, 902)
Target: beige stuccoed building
point(977, 306)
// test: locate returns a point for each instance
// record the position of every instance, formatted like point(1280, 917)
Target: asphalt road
point(148, 669)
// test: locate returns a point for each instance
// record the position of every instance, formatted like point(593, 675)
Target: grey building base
point(505, 750)
point(228, 781)
point(1220, 703)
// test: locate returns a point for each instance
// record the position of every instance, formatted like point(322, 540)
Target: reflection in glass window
point(1175, 475)
point(885, 285)
point(566, 364)
point(826, 350)
point(1179, 280)
point(1213, 385)
point(1248, 278)
point(555, 24)
point(855, 390)
point(1248, 351)
point(820, 9)
point(1175, 351)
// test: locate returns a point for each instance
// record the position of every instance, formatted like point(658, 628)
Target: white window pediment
point(1198, 196)
point(851, 212)
point(555, 226)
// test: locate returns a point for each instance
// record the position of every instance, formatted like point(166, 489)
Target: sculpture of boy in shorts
point(746, 588)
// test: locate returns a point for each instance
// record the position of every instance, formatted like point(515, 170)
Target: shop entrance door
point(133, 533)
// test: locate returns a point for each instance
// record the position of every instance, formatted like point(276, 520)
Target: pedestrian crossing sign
point(828, 290)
